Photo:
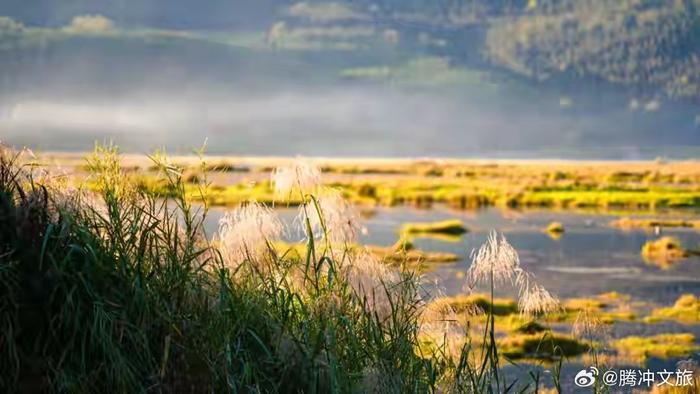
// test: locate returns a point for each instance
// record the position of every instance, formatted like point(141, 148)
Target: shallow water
point(590, 257)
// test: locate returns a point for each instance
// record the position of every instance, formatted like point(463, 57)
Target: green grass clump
point(606, 199)
point(500, 307)
point(584, 304)
point(685, 310)
point(661, 346)
point(446, 227)
point(663, 252)
point(412, 256)
point(541, 345)
point(555, 228)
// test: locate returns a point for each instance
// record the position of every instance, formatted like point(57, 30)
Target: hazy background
point(459, 78)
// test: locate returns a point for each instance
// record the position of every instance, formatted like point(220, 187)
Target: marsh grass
point(118, 290)
point(471, 185)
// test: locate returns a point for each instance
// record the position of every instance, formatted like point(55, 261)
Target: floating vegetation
point(663, 252)
point(579, 304)
point(555, 228)
point(446, 227)
point(531, 327)
point(499, 306)
point(661, 346)
point(685, 310)
point(606, 308)
point(628, 223)
point(391, 255)
point(541, 345)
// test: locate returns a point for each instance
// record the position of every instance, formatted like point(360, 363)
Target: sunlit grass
point(685, 310)
point(136, 296)
point(664, 252)
point(462, 186)
point(453, 227)
point(662, 345)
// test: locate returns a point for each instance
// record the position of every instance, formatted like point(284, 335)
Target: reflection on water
point(590, 258)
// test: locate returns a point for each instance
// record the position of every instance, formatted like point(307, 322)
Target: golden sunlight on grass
point(453, 227)
point(628, 223)
point(662, 346)
point(460, 184)
point(545, 345)
point(685, 310)
point(663, 252)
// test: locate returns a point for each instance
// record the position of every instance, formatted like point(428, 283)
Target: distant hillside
point(649, 47)
point(166, 14)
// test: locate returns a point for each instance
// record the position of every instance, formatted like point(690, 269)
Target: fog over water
point(345, 121)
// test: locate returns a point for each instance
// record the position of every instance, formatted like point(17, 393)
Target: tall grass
point(121, 291)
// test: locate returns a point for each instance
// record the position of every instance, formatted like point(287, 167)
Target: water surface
point(590, 258)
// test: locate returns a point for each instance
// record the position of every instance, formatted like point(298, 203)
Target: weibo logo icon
point(586, 377)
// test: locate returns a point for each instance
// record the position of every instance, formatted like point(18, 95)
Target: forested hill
point(651, 47)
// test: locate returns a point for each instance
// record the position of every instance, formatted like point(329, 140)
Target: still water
point(590, 258)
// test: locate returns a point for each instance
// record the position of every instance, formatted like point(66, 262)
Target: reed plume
point(299, 176)
point(244, 233)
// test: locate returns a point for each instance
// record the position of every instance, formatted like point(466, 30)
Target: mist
point(323, 121)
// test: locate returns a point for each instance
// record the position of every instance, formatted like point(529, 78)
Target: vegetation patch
point(530, 328)
point(555, 228)
point(391, 255)
point(685, 310)
point(581, 304)
point(540, 345)
point(461, 185)
point(661, 346)
point(482, 302)
point(600, 307)
point(628, 223)
point(664, 251)
point(446, 227)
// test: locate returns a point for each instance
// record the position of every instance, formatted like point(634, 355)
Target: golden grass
point(607, 308)
point(389, 255)
point(581, 304)
point(663, 252)
point(461, 184)
point(541, 345)
point(445, 227)
point(468, 303)
point(661, 346)
point(555, 228)
point(685, 310)
point(628, 223)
